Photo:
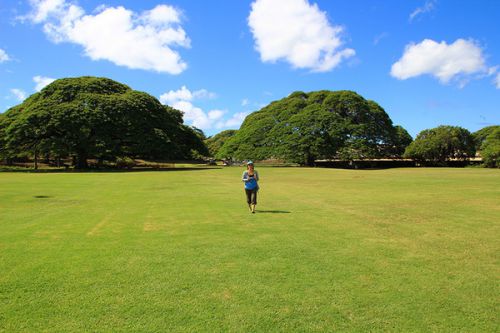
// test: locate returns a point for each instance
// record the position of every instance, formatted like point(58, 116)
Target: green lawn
point(328, 250)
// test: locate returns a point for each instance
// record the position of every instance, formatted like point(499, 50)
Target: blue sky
point(426, 62)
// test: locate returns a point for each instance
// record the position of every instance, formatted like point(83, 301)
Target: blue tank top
point(251, 184)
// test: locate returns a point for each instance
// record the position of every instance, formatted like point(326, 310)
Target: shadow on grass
point(273, 211)
point(42, 196)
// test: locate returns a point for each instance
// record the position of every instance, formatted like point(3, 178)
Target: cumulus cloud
point(4, 56)
point(216, 114)
point(203, 93)
point(135, 40)
point(184, 94)
point(457, 61)
point(42, 81)
point(429, 6)
point(19, 94)
point(233, 122)
point(183, 99)
point(297, 32)
point(173, 96)
point(193, 115)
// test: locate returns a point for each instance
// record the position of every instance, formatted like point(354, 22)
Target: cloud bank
point(297, 32)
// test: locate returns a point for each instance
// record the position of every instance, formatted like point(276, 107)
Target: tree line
point(90, 118)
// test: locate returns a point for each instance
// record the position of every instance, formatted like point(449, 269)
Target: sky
point(426, 62)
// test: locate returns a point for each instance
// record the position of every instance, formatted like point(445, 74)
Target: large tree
point(441, 144)
point(325, 124)
point(89, 117)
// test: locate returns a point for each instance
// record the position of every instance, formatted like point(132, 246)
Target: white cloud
point(427, 7)
point(297, 32)
point(42, 81)
point(173, 96)
point(203, 93)
point(183, 98)
point(19, 94)
point(162, 14)
point(184, 94)
point(216, 114)
point(134, 40)
point(497, 81)
point(42, 9)
point(456, 61)
point(245, 102)
point(4, 56)
point(234, 122)
point(195, 116)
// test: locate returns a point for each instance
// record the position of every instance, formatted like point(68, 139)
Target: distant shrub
point(125, 163)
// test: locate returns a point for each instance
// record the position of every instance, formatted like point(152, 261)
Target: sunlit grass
point(328, 250)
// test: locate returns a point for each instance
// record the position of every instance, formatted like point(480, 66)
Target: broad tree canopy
point(319, 125)
point(90, 117)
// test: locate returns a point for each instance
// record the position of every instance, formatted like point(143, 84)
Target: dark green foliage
point(441, 144)
point(490, 149)
point(99, 118)
point(307, 126)
point(215, 142)
point(480, 135)
point(402, 140)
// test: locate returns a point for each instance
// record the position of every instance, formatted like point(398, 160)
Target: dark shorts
point(251, 196)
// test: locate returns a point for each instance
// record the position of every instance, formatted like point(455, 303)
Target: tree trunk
point(310, 161)
point(36, 159)
point(81, 161)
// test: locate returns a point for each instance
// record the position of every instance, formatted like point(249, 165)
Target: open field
point(328, 250)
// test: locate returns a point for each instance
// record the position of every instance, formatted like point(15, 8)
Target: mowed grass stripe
point(381, 250)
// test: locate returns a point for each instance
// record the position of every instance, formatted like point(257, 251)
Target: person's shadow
point(273, 211)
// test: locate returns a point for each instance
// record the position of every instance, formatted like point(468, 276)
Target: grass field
point(328, 250)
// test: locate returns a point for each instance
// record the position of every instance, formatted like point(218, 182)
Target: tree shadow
point(92, 170)
point(42, 196)
point(273, 211)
